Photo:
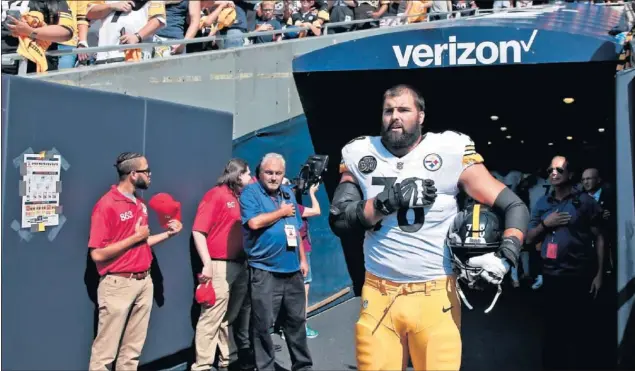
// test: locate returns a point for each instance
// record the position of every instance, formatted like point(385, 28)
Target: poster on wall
point(40, 190)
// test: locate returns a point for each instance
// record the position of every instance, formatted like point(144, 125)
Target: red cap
point(166, 208)
point(205, 294)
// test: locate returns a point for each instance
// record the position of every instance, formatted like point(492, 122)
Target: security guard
point(568, 224)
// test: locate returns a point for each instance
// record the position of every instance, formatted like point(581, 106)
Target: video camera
point(311, 172)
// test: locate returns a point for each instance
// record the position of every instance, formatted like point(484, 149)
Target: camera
point(311, 172)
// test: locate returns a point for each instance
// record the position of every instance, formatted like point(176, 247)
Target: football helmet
point(475, 231)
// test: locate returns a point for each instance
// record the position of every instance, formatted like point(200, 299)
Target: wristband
point(139, 38)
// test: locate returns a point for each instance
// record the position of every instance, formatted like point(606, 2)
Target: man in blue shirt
point(277, 264)
point(568, 224)
point(267, 22)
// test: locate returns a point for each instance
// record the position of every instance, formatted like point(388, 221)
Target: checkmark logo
point(445, 310)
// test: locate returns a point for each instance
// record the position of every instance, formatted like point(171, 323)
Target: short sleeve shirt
point(267, 247)
point(114, 219)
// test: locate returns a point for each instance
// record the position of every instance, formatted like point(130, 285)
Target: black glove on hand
point(412, 193)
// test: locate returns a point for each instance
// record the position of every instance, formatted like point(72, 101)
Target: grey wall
point(49, 284)
point(255, 83)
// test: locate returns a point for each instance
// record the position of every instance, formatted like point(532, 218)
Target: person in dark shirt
point(569, 225)
point(308, 16)
point(59, 28)
point(183, 18)
point(267, 22)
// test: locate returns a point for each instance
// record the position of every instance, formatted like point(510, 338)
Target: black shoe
point(246, 361)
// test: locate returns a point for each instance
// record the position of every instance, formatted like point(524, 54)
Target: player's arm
point(485, 189)
point(349, 211)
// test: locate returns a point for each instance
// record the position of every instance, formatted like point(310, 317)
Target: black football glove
point(411, 193)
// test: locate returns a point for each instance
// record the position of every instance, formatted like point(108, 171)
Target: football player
point(400, 188)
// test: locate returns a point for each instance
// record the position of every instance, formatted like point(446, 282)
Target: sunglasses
point(558, 169)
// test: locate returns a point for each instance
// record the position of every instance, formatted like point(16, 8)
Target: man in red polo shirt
point(120, 244)
point(218, 238)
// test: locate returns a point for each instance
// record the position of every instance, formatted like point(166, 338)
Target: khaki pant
point(230, 282)
point(117, 298)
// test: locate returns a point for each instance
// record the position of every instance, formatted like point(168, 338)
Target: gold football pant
point(417, 320)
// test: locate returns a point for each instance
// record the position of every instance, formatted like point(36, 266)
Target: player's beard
point(401, 140)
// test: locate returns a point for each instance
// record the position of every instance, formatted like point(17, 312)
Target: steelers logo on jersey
point(367, 164)
point(432, 162)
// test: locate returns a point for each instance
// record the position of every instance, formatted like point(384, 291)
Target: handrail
point(147, 45)
point(9, 58)
point(404, 16)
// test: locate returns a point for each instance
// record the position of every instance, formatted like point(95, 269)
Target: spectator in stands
point(417, 10)
point(370, 9)
point(120, 244)
point(440, 10)
point(179, 13)
point(464, 7)
point(341, 11)
point(234, 32)
point(215, 16)
point(217, 234)
point(308, 16)
point(524, 3)
point(502, 4)
point(396, 7)
point(267, 22)
point(126, 22)
point(46, 22)
point(80, 35)
point(277, 265)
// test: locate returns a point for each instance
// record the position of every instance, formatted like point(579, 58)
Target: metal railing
point(10, 58)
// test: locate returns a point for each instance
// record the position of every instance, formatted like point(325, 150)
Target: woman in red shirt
point(217, 233)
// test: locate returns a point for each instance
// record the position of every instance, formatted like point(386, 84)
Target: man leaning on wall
point(121, 246)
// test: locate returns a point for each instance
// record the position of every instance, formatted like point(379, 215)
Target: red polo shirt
point(114, 218)
point(218, 217)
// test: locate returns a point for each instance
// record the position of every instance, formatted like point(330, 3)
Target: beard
point(401, 140)
point(141, 184)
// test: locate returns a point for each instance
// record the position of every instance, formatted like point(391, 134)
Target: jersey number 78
point(402, 219)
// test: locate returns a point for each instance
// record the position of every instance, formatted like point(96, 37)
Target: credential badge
point(432, 162)
point(367, 164)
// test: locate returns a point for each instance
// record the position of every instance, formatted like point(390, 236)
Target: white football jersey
point(409, 245)
point(536, 192)
point(112, 26)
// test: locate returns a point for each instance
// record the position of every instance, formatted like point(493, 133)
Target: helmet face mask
point(476, 231)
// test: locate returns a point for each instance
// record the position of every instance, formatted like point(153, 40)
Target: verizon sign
point(464, 53)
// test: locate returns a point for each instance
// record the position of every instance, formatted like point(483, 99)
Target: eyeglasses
point(558, 169)
point(147, 171)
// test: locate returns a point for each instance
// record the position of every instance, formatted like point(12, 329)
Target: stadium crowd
point(31, 27)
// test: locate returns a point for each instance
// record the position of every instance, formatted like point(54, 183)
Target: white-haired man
point(277, 264)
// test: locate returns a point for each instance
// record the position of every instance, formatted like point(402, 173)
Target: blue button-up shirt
point(267, 248)
point(575, 252)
